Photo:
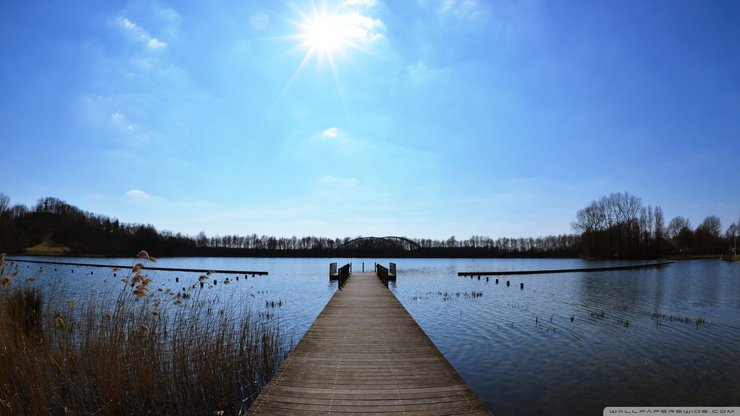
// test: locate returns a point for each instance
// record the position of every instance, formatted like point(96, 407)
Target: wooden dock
point(365, 355)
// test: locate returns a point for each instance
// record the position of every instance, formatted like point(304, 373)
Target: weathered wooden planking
point(365, 355)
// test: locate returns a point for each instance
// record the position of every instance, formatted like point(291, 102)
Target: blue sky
point(423, 118)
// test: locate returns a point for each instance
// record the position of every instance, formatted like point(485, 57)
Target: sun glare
point(325, 34)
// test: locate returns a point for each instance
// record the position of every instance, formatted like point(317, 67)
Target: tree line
point(614, 226)
point(52, 219)
point(620, 226)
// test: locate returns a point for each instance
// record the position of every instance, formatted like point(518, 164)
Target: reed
point(143, 353)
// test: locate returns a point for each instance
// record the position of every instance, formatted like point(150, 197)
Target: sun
point(329, 36)
point(325, 35)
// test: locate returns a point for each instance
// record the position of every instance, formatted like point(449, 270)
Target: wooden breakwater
point(550, 271)
point(166, 269)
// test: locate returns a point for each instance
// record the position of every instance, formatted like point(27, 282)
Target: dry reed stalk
point(139, 355)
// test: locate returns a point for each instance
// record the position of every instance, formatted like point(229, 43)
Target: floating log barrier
point(588, 269)
point(162, 269)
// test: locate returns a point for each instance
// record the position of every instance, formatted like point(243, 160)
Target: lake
point(568, 343)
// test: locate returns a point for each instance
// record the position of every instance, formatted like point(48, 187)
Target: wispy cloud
point(365, 3)
point(466, 10)
point(139, 33)
point(422, 74)
point(330, 133)
point(364, 27)
point(339, 182)
point(119, 120)
point(110, 114)
point(137, 193)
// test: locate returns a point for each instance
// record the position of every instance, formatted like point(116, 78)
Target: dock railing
point(344, 273)
point(382, 273)
point(341, 274)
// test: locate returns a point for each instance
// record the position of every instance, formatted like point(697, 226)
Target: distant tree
point(616, 225)
point(711, 225)
point(19, 210)
point(201, 240)
point(4, 202)
point(676, 225)
point(707, 236)
point(659, 230)
point(731, 231)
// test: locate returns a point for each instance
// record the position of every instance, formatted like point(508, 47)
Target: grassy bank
point(48, 248)
point(140, 353)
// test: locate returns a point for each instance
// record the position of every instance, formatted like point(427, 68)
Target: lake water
point(567, 344)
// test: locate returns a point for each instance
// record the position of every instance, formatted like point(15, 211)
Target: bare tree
point(711, 225)
point(4, 202)
point(676, 225)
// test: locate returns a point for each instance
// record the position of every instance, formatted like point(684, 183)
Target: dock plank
point(365, 355)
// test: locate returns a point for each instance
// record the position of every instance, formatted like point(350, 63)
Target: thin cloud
point(330, 133)
point(364, 3)
point(340, 182)
point(364, 27)
point(137, 193)
point(468, 10)
point(421, 74)
point(140, 33)
point(119, 121)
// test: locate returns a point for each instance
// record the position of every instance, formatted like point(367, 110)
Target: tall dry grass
point(144, 353)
